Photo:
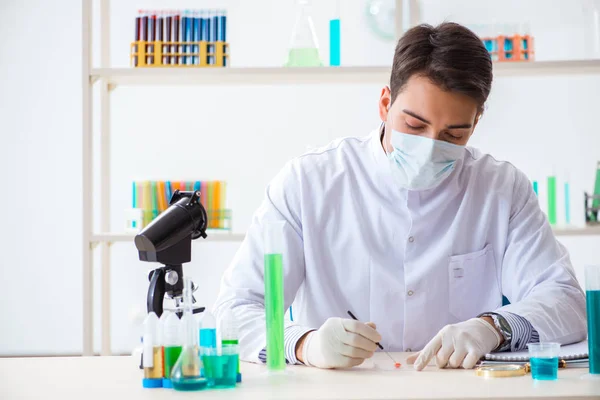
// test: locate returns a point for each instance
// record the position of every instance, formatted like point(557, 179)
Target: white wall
point(217, 132)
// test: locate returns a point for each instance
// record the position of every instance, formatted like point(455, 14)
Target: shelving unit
point(108, 78)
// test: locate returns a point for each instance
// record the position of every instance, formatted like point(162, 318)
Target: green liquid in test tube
point(552, 200)
point(274, 302)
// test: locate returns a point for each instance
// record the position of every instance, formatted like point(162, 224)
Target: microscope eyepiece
point(184, 220)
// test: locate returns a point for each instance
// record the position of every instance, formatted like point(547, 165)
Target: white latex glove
point(459, 345)
point(340, 343)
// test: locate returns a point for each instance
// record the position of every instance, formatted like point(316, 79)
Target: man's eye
point(416, 128)
point(453, 136)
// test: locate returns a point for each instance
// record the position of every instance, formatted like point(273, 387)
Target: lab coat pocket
point(473, 284)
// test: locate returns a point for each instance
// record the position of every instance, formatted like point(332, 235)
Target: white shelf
point(241, 76)
point(577, 231)
point(315, 75)
point(128, 237)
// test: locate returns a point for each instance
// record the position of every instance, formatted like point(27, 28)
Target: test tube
point(189, 36)
point(168, 35)
point(196, 38)
point(535, 187)
point(151, 37)
point(182, 37)
point(335, 38)
point(552, 200)
point(160, 35)
point(175, 35)
point(138, 23)
point(274, 301)
point(152, 360)
point(210, 38)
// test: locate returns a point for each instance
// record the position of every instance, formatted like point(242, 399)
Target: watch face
point(381, 18)
point(504, 325)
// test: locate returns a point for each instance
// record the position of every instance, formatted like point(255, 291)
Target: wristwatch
point(502, 325)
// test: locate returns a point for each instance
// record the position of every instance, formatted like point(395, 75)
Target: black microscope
point(168, 240)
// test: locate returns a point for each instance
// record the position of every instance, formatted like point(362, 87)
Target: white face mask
point(420, 163)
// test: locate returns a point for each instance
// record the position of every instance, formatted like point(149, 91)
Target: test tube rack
point(145, 54)
point(510, 47)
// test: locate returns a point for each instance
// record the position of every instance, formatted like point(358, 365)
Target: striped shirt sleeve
point(522, 331)
point(291, 335)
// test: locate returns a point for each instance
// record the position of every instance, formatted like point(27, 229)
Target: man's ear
point(385, 102)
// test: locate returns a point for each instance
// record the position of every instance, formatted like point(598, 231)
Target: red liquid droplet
point(397, 365)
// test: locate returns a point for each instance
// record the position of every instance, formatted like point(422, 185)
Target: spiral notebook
point(577, 351)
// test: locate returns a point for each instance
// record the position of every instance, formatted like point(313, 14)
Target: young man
point(412, 230)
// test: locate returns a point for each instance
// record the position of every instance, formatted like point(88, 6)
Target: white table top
point(119, 378)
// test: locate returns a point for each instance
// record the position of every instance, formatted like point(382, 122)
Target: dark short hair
point(449, 54)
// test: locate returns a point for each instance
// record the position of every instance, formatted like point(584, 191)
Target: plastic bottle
point(230, 348)
point(172, 345)
point(152, 353)
point(208, 348)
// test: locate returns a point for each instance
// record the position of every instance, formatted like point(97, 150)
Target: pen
point(396, 364)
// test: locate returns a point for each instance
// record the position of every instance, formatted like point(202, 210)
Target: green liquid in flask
point(303, 57)
point(274, 310)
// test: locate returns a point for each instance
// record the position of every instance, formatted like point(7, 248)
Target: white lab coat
point(409, 261)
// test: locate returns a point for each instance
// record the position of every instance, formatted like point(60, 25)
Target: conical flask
point(304, 46)
point(185, 375)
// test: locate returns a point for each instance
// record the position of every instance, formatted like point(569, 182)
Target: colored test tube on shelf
point(552, 200)
point(160, 36)
point(189, 36)
point(335, 38)
point(168, 15)
point(144, 33)
point(196, 38)
point(182, 33)
point(147, 209)
point(138, 23)
point(168, 191)
point(209, 36)
point(175, 38)
point(151, 37)
point(154, 191)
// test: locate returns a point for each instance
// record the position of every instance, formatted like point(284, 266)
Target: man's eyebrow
point(412, 114)
point(460, 126)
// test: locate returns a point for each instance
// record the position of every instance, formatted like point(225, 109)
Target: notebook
point(569, 352)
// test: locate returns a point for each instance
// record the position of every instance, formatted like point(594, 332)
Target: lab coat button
point(410, 293)
point(411, 239)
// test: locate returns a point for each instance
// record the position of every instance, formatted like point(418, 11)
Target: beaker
point(304, 46)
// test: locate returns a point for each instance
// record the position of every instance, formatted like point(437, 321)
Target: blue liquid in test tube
point(334, 43)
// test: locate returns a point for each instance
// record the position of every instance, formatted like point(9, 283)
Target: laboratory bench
point(120, 378)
